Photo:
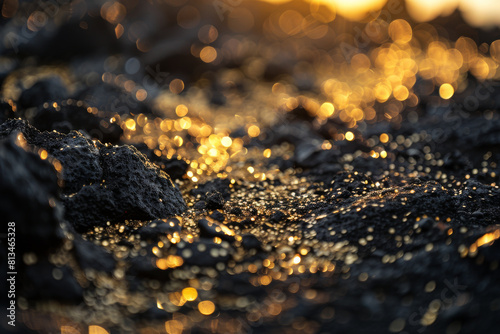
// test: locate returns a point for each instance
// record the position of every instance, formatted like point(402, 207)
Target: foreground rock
point(103, 183)
point(30, 199)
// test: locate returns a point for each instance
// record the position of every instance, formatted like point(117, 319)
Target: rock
point(213, 229)
point(79, 155)
point(249, 241)
point(478, 214)
point(45, 90)
point(104, 183)
point(38, 282)
point(159, 227)
point(174, 167)
point(90, 255)
point(220, 185)
point(217, 215)
point(30, 198)
point(236, 211)
point(426, 224)
point(277, 217)
point(6, 111)
point(131, 188)
point(68, 115)
point(107, 97)
point(214, 200)
point(200, 205)
point(145, 266)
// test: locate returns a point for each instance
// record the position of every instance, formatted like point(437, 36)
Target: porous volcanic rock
point(102, 182)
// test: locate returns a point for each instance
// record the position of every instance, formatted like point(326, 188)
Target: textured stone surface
point(104, 183)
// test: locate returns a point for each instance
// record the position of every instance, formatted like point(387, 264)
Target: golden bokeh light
point(206, 307)
point(97, 330)
point(190, 294)
point(446, 91)
point(349, 136)
point(208, 54)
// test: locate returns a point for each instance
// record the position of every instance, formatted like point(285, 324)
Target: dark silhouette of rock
point(107, 97)
point(66, 115)
point(214, 200)
point(45, 90)
point(213, 229)
point(220, 185)
point(250, 241)
point(30, 200)
point(30, 197)
point(151, 193)
point(6, 111)
point(217, 215)
point(157, 228)
point(90, 255)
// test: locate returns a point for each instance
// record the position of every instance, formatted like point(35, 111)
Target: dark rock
point(78, 155)
point(157, 228)
point(107, 97)
point(90, 255)
point(426, 224)
point(213, 229)
point(217, 215)
point(220, 185)
point(6, 111)
point(236, 211)
point(104, 183)
point(174, 167)
point(39, 282)
point(253, 211)
point(478, 214)
point(30, 198)
point(70, 115)
point(45, 90)
point(131, 188)
point(200, 205)
point(277, 217)
point(214, 200)
point(249, 241)
point(145, 266)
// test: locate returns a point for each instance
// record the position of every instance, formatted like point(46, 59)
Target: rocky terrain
point(236, 203)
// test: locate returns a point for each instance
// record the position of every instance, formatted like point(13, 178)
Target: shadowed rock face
point(104, 183)
point(45, 90)
point(29, 198)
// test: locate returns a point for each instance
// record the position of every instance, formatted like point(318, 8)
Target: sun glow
point(476, 12)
